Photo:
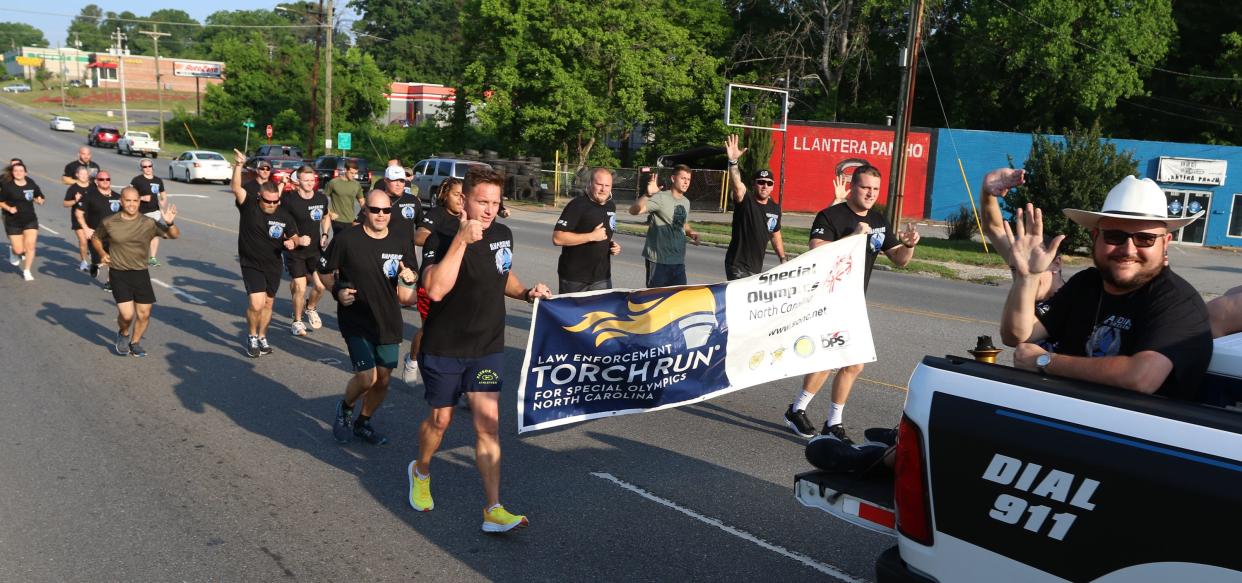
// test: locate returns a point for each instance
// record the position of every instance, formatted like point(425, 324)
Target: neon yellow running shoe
point(420, 490)
point(497, 519)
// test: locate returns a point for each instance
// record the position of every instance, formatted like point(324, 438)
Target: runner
point(264, 230)
point(262, 175)
point(443, 219)
point(153, 196)
point(310, 211)
point(95, 206)
point(584, 233)
point(345, 194)
point(467, 278)
point(122, 242)
point(79, 188)
point(756, 219)
point(375, 276)
point(18, 195)
point(407, 215)
point(83, 161)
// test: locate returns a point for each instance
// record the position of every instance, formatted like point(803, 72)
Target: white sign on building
point(1191, 171)
point(197, 69)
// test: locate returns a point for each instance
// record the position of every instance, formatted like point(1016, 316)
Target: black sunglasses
point(103, 180)
point(380, 210)
point(1116, 237)
point(764, 183)
point(266, 201)
point(264, 168)
point(146, 166)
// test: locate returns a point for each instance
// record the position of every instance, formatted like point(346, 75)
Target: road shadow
point(79, 321)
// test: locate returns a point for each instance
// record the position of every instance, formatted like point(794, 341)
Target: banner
point(193, 69)
point(616, 352)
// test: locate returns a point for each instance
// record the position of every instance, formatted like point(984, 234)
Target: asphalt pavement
point(199, 464)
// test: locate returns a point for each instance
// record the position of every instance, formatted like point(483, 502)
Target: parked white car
point(61, 123)
point(138, 143)
point(200, 165)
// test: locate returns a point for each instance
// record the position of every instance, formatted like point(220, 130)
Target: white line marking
point(178, 292)
point(190, 195)
point(799, 557)
point(45, 228)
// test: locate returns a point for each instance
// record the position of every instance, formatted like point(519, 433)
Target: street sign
point(248, 124)
point(268, 131)
point(344, 140)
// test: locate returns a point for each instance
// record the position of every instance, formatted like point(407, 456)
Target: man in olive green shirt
point(127, 236)
point(343, 192)
point(668, 225)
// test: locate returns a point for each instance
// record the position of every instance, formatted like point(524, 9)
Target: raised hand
point(998, 182)
point(1026, 242)
point(839, 191)
point(470, 231)
point(238, 157)
point(169, 213)
point(909, 236)
point(731, 148)
point(652, 185)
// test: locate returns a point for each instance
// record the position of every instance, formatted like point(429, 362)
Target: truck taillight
point(336, 173)
point(910, 488)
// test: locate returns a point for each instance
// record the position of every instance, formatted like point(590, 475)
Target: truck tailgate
point(862, 500)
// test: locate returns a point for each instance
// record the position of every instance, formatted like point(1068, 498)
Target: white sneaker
point(299, 329)
point(312, 318)
point(84, 266)
point(14, 259)
point(26, 275)
point(409, 373)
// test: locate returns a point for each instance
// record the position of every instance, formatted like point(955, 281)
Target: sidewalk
point(1212, 271)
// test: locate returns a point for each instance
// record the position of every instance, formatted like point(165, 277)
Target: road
point(199, 464)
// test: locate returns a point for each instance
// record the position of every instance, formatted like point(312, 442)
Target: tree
point(85, 28)
point(1074, 172)
point(419, 40)
point(569, 74)
point(20, 34)
point(183, 41)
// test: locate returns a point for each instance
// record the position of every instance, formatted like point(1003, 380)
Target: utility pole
point(910, 66)
point(120, 39)
point(327, 93)
point(159, 79)
point(60, 52)
point(77, 58)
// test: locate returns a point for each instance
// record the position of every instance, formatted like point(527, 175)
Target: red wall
point(818, 152)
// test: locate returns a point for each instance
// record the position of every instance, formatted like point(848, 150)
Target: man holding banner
point(467, 277)
point(856, 216)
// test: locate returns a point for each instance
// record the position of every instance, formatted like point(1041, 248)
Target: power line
point(1103, 52)
point(161, 22)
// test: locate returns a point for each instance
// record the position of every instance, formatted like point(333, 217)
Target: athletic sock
point(346, 406)
point(834, 414)
point(804, 399)
point(419, 474)
point(362, 419)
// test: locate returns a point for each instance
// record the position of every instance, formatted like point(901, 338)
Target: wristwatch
point(1041, 362)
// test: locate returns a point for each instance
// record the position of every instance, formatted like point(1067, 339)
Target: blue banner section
point(623, 352)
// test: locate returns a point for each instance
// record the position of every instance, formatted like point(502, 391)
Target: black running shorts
point(261, 281)
point(131, 286)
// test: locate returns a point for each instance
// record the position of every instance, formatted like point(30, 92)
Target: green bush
point(1076, 172)
point(961, 224)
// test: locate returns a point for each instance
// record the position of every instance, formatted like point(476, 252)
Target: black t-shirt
point(370, 266)
point(589, 262)
point(152, 187)
point(753, 225)
point(838, 222)
point(72, 193)
point(251, 187)
point(23, 198)
point(1167, 316)
point(308, 213)
point(98, 205)
point(71, 169)
point(440, 221)
point(260, 237)
point(407, 214)
point(470, 321)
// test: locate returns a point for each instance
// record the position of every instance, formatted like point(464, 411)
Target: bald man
point(83, 160)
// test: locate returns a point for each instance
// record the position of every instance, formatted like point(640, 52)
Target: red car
point(283, 168)
point(103, 136)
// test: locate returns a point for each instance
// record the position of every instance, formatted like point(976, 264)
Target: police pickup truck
point(1006, 475)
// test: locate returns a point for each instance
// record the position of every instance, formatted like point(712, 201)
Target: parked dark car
point(329, 167)
point(283, 168)
point(103, 136)
point(278, 150)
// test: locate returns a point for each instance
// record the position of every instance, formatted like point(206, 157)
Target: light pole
point(327, 93)
point(120, 39)
point(159, 84)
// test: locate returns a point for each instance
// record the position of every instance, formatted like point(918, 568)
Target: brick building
point(178, 74)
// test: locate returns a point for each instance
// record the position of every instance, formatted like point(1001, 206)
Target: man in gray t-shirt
point(668, 225)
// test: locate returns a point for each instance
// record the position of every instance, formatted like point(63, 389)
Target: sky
point(53, 18)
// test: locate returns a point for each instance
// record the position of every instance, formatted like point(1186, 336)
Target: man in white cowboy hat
point(1129, 322)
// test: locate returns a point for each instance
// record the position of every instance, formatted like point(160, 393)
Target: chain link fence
point(707, 187)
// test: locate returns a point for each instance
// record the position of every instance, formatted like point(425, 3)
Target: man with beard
point(584, 234)
point(1129, 322)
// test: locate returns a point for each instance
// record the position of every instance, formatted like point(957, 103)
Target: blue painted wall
point(981, 151)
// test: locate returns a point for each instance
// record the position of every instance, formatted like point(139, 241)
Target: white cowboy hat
point(1133, 199)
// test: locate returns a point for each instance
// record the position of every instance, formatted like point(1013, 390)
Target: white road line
point(178, 292)
point(190, 195)
point(44, 227)
point(799, 557)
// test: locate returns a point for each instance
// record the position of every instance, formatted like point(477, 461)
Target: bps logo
point(692, 311)
point(835, 340)
point(114, 205)
point(275, 230)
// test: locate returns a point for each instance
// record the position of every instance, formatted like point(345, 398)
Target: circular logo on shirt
point(29, 194)
point(612, 222)
point(276, 231)
point(1194, 207)
point(1104, 341)
point(316, 214)
point(407, 211)
point(771, 224)
point(114, 205)
point(1175, 207)
point(504, 260)
point(155, 188)
point(391, 267)
point(876, 241)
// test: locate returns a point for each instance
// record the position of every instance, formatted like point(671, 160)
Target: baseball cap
point(264, 165)
point(394, 173)
point(763, 174)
